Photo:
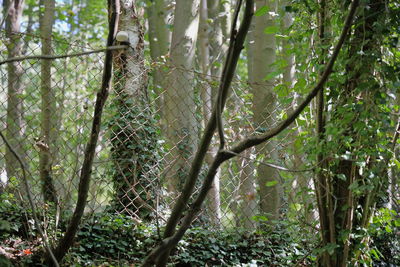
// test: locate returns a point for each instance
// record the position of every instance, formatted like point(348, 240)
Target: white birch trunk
point(264, 104)
point(133, 145)
point(48, 107)
point(213, 198)
point(180, 106)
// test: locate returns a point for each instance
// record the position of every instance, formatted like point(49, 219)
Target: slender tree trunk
point(225, 19)
point(213, 199)
point(322, 187)
point(247, 188)
point(159, 39)
point(264, 104)
point(340, 226)
point(248, 194)
point(13, 13)
point(48, 108)
point(180, 106)
point(393, 171)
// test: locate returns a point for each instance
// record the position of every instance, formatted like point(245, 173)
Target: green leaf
point(261, 11)
point(271, 30)
point(271, 75)
point(271, 183)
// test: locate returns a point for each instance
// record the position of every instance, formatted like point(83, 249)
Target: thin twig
point(270, 164)
point(396, 135)
point(30, 199)
point(14, 59)
point(220, 97)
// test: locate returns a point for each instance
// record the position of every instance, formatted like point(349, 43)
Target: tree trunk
point(159, 39)
point(247, 187)
point(218, 37)
point(225, 19)
point(133, 133)
point(13, 13)
point(47, 141)
point(213, 199)
point(264, 104)
point(248, 194)
point(340, 187)
point(180, 106)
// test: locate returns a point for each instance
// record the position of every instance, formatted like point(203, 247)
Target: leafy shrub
point(117, 238)
point(13, 218)
point(385, 232)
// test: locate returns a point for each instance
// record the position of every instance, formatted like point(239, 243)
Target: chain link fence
point(147, 141)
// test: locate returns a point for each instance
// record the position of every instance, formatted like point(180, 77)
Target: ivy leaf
point(271, 30)
point(271, 75)
point(271, 183)
point(342, 177)
point(261, 11)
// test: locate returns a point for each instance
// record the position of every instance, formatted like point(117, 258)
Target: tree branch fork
point(171, 238)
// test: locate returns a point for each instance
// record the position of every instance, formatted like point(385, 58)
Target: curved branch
point(222, 155)
point(258, 139)
point(86, 171)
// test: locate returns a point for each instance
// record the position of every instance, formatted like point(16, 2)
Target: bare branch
point(396, 135)
point(220, 102)
point(86, 171)
point(222, 156)
point(270, 164)
point(100, 50)
point(258, 139)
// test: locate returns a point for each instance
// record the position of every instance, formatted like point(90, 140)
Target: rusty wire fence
point(139, 152)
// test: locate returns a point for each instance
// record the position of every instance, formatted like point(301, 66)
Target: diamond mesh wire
point(147, 140)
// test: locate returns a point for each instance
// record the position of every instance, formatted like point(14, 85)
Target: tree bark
point(180, 106)
point(248, 194)
point(159, 39)
point(264, 105)
point(13, 14)
point(214, 202)
point(133, 137)
point(218, 44)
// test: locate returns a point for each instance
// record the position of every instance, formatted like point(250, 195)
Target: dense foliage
point(330, 179)
point(117, 240)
